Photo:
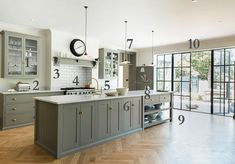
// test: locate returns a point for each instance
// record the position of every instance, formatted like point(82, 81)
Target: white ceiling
point(172, 20)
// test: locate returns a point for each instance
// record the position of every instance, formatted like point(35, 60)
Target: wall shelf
point(83, 62)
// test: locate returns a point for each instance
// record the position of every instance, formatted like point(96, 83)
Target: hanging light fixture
point(86, 28)
point(152, 64)
point(142, 70)
point(125, 53)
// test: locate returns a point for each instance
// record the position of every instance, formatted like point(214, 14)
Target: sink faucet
point(97, 83)
point(97, 86)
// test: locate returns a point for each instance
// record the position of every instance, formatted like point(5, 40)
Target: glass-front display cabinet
point(108, 66)
point(20, 54)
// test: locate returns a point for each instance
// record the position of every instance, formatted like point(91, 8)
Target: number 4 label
point(76, 80)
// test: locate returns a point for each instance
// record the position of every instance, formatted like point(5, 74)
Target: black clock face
point(77, 47)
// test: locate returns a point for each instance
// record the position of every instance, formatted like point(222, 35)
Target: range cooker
point(78, 90)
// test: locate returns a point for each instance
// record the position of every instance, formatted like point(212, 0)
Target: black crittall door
point(223, 82)
point(202, 81)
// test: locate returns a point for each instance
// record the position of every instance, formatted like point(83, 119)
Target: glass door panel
point(163, 72)
point(31, 57)
point(15, 52)
point(168, 74)
point(181, 81)
point(115, 64)
point(160, 61)
point(201, 81)
point(223, 84)
point(177, 102)
point(168, 61)
point(186, 103)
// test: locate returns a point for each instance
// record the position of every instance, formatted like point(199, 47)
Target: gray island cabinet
point(114, 117)
point(69, 123)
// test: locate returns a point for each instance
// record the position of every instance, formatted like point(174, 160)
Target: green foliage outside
point(200, 64)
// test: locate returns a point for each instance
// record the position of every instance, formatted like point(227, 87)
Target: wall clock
point(77, 47)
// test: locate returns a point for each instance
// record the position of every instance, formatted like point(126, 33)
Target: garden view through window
point(202, 81)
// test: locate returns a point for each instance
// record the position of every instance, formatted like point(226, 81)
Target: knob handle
point(14, 99)
point(13, 108)
point(80, 113)
point(13, 120)
point(132, 104)
point(110, 108)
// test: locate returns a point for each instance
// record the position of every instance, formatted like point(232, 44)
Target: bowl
point(111, 93)
point(122, 91)
point(154, 115)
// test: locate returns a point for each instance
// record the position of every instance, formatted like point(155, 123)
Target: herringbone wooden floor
point(201, 139)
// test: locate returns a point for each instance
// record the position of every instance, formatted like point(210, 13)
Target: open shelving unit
point(157, 109)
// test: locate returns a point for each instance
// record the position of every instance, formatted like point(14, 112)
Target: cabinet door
point(31, 57)
point(102, 119)
point(108, 65)
point(86, 123)
point(70, 131)
point(125, 115)
point(115, 63)
point(114, 117)
point(13, 55)
point(136, 112)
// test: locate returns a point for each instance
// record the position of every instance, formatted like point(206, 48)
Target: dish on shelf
point(157, 106)
point(154, 115)
point(147, 107)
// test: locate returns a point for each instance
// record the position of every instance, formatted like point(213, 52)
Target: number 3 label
point(56, 73)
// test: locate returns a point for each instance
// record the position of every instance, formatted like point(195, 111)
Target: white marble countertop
point(67, 99)
point(31, 91)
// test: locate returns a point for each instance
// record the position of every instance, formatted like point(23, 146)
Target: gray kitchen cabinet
point(136, 112)
point(86, 123)
point(131, 114)
point(21, 55)
point(114, 116)
point(77, 125)
point(102, 119)
point(129, 74)
point(108, 65)
point(71, 124)
point(18, 109)
point(107, 118)
point(125, 115)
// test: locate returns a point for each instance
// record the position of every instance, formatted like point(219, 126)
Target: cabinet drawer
point(17, 119)
point(154, 99)
point(165, 98)
point(10, 99)
point(19, 108)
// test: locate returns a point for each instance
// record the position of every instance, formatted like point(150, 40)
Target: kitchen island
point(69, 123)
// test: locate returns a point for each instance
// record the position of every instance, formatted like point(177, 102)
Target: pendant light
point(142, 70)
point(152, 64)
point(125, 54)
point(85, 28)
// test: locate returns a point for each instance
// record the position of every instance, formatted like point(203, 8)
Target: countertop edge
point(88, 98)
point(30, 92)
